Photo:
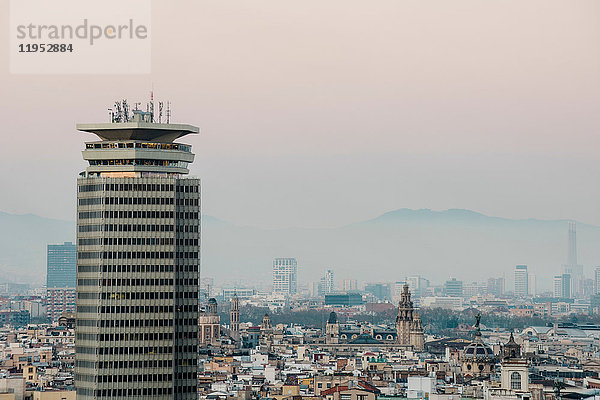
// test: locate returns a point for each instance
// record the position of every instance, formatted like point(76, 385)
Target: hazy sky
point(321, 113)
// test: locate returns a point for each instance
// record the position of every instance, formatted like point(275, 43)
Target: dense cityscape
point(127, 313)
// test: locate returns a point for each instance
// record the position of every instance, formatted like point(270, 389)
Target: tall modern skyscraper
point(567, 286)
point(138, 244)
point(285, 279)
point(597, 280)
point(61, 261)
point(571, 267)
point(557, 286)
point(531, 285)
point(326, 284)
point(521, 280)
point(495, 286)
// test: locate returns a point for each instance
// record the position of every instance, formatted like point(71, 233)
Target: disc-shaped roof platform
point(139, 130)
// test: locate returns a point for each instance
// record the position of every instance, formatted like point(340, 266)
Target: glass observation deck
point(137, 147)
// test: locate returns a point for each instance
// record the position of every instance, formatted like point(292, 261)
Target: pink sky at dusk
point(321, 113)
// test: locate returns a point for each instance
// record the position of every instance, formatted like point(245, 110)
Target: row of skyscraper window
point(135, 350)
point(139, 241)
point(116, 323)
point(139, 145)
point(138, 309)
point(130, 295)
point(148, 282)
point(135, 378)
point(137, 201)
point(124, 364)
point(137, 268)
point(161, 163)
point(136, 323)
point(149, 268)
point(137, 214)
point(123, 255)
point(111, 393)
point(126, 228)
point(130, 282)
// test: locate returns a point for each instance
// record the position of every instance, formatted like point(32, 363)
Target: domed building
point(332, 330)
point(478, 358)
point(209, 324)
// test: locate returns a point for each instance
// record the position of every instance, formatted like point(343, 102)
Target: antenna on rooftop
point(125, 111)
point(151, 105)
point(118, 116)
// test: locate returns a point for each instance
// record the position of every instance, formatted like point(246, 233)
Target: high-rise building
point(138, 243)
point(61, 264)
point(417, 285)
point(531, 284)
point(453, 288)
point(557, 286)
point(349, 284)
point(285, 280)
point(495, 286)
point(567, 286)
point(597, 280)
point(521, 280)
point(326, 283)
point(571, 267)
point(381, 291)
point(59, 301)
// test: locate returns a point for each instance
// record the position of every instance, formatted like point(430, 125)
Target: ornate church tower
point(405, 317)
point(409, 329)
point(235, 317)
point(332, 330)
point(417, 336)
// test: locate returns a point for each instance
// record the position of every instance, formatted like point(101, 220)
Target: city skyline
point(387, 200)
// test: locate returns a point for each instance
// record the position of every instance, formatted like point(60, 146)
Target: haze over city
point(315, 200)
point(323, 114)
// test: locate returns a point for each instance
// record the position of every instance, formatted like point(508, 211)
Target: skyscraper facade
point(326, 284)
point(521, 280)
point(138, 243)
point(495, 286)
point(597, 280)
point(567, 286)
point(557, 286)
point(285, 278)
point(453, 288)
point(572, 268)
point(61, 262)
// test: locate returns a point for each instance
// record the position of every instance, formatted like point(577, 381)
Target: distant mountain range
point(435, 244)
